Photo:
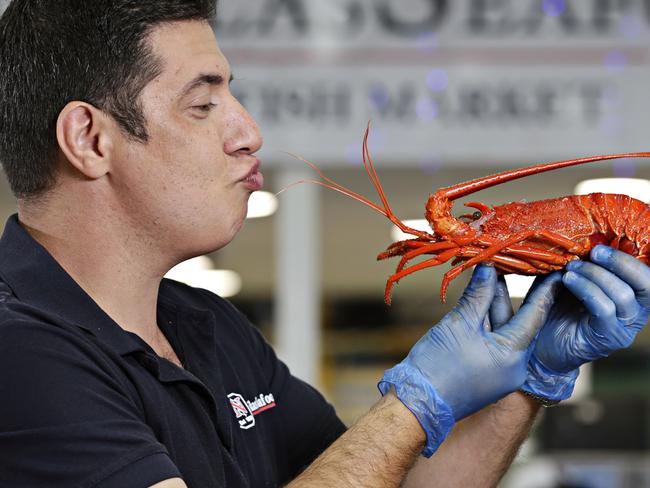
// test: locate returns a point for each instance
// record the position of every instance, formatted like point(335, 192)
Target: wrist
point(403, 420)
point(417, 395)
point(547, 386)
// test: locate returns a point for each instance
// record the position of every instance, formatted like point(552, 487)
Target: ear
point(86, 135)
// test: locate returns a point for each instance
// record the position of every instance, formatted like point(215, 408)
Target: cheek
point(183, 166)
point(185, 161)
point(187, 141)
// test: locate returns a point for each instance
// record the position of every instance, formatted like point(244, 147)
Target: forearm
point(376, 452)
point(481, 447)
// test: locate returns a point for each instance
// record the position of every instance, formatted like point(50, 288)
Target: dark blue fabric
point(85, 403)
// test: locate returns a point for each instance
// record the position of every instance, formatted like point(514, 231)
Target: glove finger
point(635, 273)
point(501, 307)
point(597, 303)
point(525, 324)
point(474, 305)
point(618, 291)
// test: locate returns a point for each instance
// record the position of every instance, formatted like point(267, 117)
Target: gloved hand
point(460, 365)
point(605, 304)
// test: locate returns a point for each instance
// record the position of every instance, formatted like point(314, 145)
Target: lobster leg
point(545, 257)
point(430, 249)
point(492, 250)
point(439, 246)
point(441, 258)
point(532, 252)
point(545, 260)
point(400, 248)
point(418, 248)
point(508, 263)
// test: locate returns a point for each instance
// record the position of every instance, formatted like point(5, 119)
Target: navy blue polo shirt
point(83, 403)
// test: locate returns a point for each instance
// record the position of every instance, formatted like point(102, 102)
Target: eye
point(205, 108)
point(476, 215)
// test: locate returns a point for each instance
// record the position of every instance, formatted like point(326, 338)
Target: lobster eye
point(477, 215)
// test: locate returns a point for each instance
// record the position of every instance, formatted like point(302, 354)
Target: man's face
point(187, 187)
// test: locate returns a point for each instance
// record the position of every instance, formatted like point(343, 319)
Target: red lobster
point(521, 237)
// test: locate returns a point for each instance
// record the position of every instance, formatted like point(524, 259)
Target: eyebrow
point(204, 79)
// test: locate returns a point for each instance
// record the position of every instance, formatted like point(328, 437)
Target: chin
point(223, 237)
point(202, 239)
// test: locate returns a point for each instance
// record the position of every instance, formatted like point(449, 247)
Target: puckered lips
point(253, 180)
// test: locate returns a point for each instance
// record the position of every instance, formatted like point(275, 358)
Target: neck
point(114, 265)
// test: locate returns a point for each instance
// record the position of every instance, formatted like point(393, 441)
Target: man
point(128, 154)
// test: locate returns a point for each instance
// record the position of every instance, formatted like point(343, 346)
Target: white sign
point(463, 81)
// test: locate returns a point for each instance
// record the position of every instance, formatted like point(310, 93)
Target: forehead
point(186, 49)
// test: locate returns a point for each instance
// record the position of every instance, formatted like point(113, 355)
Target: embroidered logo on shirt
point(245, 410)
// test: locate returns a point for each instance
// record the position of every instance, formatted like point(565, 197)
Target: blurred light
point(615, 61)
point(583, 386)
point(379, 96)
point(427, 41)
point(418, 224)
point(634, 187)
point(261, 204)
point(223, 282)
point(611, 125)
point(199, 263)
point(437, 80)
point(554, 8)
point(426, 109)
point(197, 272)
point(631, 26)
point(518, 285)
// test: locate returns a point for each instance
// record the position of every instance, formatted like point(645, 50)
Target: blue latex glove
point(603, 307)
point(461, 365)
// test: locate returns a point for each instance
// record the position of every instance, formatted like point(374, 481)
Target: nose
point(244, 135)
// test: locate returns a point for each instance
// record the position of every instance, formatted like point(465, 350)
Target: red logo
point(245, 410)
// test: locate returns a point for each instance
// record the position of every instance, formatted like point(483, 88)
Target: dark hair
point(52, 53)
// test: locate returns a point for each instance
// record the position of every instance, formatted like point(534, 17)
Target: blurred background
point(454, 90)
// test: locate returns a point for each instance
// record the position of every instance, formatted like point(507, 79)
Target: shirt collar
point(37, 279)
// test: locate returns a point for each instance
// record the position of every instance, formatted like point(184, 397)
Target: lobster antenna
point(372, 172)
point(374, 178)
point(332, 185)
point(340, 190)
point(468, 187)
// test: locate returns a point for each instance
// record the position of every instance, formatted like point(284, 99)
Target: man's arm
point(477, 452)
point(456, 369)
point(362, 457)
point(481, 447)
